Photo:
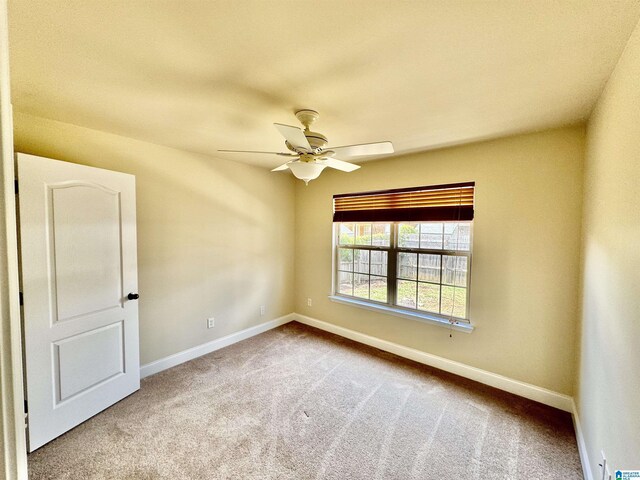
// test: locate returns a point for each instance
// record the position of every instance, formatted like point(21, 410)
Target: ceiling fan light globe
point(306, 171)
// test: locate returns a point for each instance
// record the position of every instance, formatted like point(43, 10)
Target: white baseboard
point(532, 392)
point(217, 344)
point(582, 446)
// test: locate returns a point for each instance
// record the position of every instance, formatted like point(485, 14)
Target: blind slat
point(438, 203)
point(434, 193)
point(417, 194)
point(457, 199)
point(464, 199)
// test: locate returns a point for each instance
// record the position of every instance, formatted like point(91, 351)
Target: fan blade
point(377, 148)
point(294, 136)
point(284, 166)
point(340, 165)
point(253, 151)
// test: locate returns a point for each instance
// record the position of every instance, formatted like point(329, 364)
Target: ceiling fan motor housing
point(317, 141)
point(307, 117)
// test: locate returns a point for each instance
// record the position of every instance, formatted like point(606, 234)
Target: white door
point(79, 278)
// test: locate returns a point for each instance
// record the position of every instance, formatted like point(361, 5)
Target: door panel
point(88, 359)
point(86, 256)
point(78, 249)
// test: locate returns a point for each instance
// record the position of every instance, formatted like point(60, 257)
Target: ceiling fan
point(308, 150)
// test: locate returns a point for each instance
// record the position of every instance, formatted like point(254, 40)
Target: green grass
point(453, 299)
point(378, 290)
point(428, 298)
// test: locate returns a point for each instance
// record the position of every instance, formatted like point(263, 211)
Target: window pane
point(464, 236)
point(361, 286)
point(454, 270)
point(345, 256)
point(378, 289)
point(454, 301)
point(381, 234)
point(429, 297)
point(361, 261)
point(379, 263)
point(457, 236)
point(346, 233)
point(451, 236)
point(408, 235)
point(408, 265)
point(345, 283)
point(429, 268)
point(363, 234)
point(431, 235)
point(406, 295)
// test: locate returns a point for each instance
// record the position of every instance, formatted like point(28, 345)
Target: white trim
point(420, 317)
point(532, 392)
point(212, 346)
point(13, 452)
point(542, 395)
point(582, 445)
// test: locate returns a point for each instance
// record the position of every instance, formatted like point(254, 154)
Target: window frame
point(393, 251)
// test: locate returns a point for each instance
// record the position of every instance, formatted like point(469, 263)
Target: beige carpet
point(297, 403)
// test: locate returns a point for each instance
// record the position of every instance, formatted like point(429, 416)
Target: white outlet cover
point(211, 322)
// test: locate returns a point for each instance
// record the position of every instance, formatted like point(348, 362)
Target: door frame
point(13, 455)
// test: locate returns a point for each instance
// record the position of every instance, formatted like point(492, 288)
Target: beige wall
point(524, 279)
point(214, 237)
point(608, 392)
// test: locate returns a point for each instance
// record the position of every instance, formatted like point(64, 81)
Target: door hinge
point(15, 182)
point(26, 408)
point(21, 299)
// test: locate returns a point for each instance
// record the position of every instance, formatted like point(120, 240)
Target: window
point(421, 266)
point(363, 260)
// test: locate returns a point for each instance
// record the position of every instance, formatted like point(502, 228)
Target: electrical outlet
point(262, 310)
point(211, 322)
point(309, 302)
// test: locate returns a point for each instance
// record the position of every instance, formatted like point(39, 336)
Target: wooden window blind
point(453, 202)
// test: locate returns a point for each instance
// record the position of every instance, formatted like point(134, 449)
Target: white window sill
point(421, 317)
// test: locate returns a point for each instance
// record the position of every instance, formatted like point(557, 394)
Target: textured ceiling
point(206, 75)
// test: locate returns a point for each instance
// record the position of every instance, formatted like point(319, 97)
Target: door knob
point(133, 296)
